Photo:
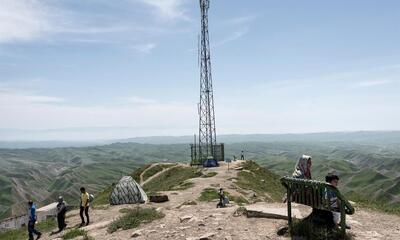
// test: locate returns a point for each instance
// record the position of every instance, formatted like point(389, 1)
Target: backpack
point(91, 198)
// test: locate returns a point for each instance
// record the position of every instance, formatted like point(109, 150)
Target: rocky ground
point(205, 221)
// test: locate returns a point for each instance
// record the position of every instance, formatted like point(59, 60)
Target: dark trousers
point(32, 230)
point(86, 210)
point(61, 221)
point(242, 157)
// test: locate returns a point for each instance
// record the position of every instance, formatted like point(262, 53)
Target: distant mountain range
point(376, 137)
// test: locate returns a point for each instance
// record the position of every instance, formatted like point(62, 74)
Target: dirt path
point(204, 218)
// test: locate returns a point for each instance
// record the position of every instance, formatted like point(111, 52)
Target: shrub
point(208, 195)
point(73, 233)
point(132, 218)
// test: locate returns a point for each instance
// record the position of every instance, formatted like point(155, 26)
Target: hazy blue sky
point(278, 66)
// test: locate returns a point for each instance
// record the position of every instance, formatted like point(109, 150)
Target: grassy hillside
point(45, 174)
point(370, 171)
point(262, 181)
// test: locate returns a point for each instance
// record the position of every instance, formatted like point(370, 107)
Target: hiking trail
point(205, 221)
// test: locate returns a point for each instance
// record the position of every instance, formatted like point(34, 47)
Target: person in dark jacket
point(32, 220)
point(61, 211)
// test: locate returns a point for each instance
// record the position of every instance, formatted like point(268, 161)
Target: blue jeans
point(32, 230)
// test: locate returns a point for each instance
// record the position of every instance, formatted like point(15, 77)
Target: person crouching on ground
point(32, 221)
point(61, 211)
point(84, 207)
point(333, 179)
point(221, 195)
point(303, 168)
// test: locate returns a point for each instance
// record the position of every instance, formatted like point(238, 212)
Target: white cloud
point(148, 116)
point(169, 9)
point(240, 20)
point(234, 36)
point(140, 100)
point(28, 20)
point(241, 26)
point(144, 48)
point(373, 83)
point(18, 97)
point(43, 99)
point(23, 20)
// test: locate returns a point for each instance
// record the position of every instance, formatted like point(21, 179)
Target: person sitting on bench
point(334, 203)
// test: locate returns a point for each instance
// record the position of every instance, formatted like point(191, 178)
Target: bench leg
point(289, 210)
point(343, 221)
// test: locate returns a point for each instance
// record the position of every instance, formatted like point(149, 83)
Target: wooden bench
point(313, 193)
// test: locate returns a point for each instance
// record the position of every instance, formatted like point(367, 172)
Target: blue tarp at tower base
point(210, 163)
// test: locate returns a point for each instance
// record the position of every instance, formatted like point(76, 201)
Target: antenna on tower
point(207, 151)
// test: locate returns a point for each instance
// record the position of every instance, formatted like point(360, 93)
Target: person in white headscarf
point(303, 168)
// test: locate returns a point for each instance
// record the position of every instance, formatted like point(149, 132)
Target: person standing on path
point(84, 206)
point(242, 156)
point(32, 221)
point(61, 210)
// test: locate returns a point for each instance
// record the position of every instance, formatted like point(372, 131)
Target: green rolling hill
point(368, 171)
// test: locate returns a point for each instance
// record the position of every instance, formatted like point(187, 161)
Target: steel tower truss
point(207, 132)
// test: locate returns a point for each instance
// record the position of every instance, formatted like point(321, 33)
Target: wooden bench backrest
point(313, 193)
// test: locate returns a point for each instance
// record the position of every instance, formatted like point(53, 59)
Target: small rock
point(136, 234)
point(207, 236)
point(282, 230)
point(219, 229)
point(183, 228)
point(228, 238)
point(158, 198)
point(185, 218)
point(202, 225)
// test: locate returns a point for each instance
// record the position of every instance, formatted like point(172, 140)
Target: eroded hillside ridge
point(368, 171)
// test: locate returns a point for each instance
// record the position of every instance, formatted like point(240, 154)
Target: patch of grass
point(208, 195)
point(132, 218)
point(239, 200)
point(156, 169)
point(136, 174)
point(260, 180)
point(102, 198)
point(189, 202)
point(209, 174)
point(365, 202)
point(73, 233)
point(22, 233)
point(172, 179)
point(240, 211)
point(184, 185)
